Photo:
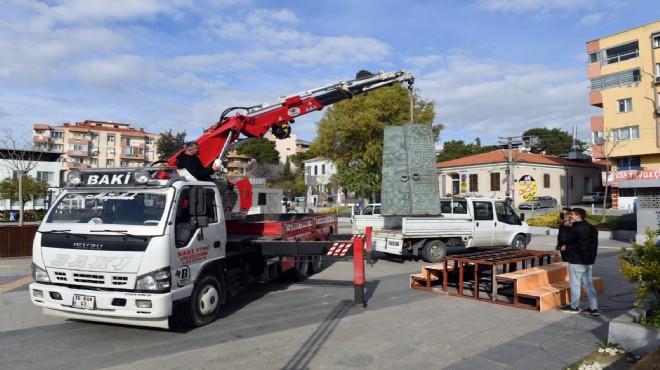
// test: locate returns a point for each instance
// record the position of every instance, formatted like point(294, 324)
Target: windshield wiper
point(65, 231)
point(123, 232)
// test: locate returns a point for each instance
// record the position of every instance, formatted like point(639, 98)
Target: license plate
point(83, 301)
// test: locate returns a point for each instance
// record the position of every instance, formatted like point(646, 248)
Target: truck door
point(198, 236)
point(507, 224)
point(484, 223)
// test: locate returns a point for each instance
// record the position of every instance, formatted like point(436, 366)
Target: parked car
point(595, 197)
point(539, 202)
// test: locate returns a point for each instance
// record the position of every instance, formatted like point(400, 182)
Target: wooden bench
point(547, 285)
point(429, 278)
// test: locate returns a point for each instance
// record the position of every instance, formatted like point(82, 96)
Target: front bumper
point(111, 307)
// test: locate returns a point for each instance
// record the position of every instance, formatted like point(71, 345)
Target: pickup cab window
point(506, 214)
point(483, 211)
point(371, 210)
point(453, 206)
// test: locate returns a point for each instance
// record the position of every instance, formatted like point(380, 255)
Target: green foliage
point(549, 220)
point(168, 145)
point(31, 187)
point(455, 149)
point(653, 316)
point(351, 133)
point(260, 149)
point(552, 141)
point(641, 265)
point(287, 174)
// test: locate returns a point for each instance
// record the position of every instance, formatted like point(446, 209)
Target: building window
point(57, 147)
point(110, 151)
point(44, 176)
point(78, 147)
point(322, 169)
point(546, 180)
point(111, 139)
point(123, 163)
point(126, 140)
point(316, 170)
point(613, 80)
point(149, 140)
point(95, 137)
point(656, 41)
point(625, 133)
point(495, 181)
point(625, 105)
point(110, 163)
point(597, 137)
point(94, 161)
point(474, 182)
point(57, 134)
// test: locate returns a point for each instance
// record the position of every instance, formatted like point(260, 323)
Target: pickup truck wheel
point(316, 264)
point(434, 251)
point(519, 242)
point(205, 301)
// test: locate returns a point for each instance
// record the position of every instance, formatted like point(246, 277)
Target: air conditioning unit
point(657, 79)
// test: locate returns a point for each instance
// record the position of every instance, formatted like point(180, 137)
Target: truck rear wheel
point(207, 297)
point(316, 264)
point(434, 251)
point(519, 242)
point(300, 271)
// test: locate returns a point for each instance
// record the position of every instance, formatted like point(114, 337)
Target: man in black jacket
point(580, 249)
point(189, 161)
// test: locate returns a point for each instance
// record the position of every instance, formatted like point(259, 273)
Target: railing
point(620, 57)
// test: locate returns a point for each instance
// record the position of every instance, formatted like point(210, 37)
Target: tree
point(167, 144)
point(455, 149)
point(350, 133)
point(551, 141)
point(19, 158)
point(260, 149)
point(31, 189)
point(608, 146)
point(287, 174)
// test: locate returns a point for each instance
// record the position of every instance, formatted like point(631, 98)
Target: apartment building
point(97, 144)
point(624, 71)
point(288, 147)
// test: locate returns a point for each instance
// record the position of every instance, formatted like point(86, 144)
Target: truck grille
point(93, 278)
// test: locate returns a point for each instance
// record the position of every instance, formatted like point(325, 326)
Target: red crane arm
point(277, 115)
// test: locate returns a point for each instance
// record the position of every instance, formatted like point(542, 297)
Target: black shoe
point(591, 312)
point(568, 309)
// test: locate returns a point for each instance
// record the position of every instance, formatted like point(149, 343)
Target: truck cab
point(368, 216)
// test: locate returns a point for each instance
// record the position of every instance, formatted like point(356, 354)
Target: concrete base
point(632, 336)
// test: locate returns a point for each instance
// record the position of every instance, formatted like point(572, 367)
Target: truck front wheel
point(205, 301)
point(434, 251)
point(519, 242)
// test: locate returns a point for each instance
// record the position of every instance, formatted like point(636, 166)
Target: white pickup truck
point(367, 216)
point(468, 222)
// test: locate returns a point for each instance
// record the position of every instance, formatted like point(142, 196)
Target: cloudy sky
point(493, 67)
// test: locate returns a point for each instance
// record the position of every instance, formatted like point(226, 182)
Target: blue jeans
point(581, 274)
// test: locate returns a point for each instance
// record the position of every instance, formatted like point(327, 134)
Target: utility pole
point(509, 144)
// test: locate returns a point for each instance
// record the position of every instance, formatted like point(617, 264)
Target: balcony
point(131, 156)
point(77, 166)
point(77, 153)
point(40, 139)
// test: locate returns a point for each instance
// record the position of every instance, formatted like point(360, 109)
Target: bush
point(549, 220)
point(641, 265)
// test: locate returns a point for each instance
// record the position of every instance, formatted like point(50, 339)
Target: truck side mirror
point(197, 201)
point(522, 217)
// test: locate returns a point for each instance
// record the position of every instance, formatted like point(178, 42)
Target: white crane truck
point(149, 244)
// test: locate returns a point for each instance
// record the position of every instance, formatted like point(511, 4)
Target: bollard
point(358, 272)
point(368, 241)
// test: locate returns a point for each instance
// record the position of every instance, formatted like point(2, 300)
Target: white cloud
point(541, 6)
point(591, 19)
point(490, 99)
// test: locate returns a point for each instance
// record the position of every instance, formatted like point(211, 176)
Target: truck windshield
point(115, 208)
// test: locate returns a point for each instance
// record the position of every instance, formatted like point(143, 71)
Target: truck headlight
point(158, 280)
point(39, 274)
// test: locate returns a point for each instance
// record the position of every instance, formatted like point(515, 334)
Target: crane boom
point(276, 116)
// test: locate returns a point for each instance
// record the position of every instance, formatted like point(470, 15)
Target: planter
point(632, 336)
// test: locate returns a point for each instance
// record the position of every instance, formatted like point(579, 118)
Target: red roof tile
point(500, 156)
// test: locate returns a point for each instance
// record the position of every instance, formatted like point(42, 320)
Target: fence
point(16, 241)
